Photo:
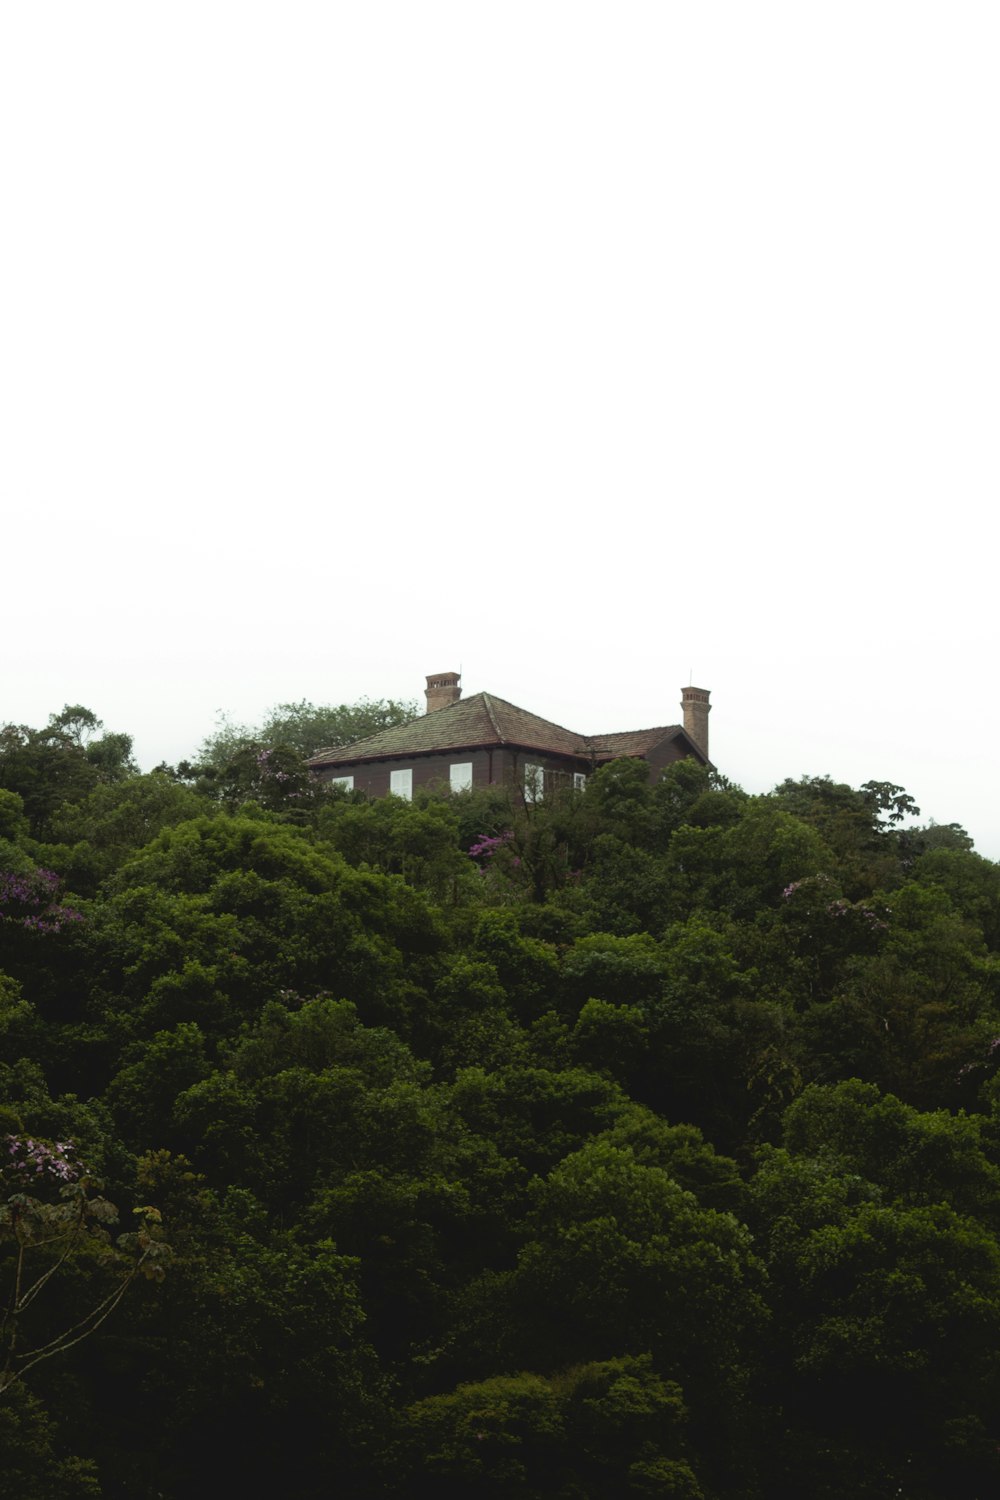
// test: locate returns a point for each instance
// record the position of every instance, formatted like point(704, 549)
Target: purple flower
point(487, 845)
point(31, 1156)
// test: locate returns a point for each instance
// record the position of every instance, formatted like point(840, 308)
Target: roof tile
point(631, 741)
point(471, 722)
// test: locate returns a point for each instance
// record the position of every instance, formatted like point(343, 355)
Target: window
point(534, 783)
point(579, 781)
point(347, 782)
point(401, 784)
point(460, 776)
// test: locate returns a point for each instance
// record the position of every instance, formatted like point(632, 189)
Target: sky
point(590, 350)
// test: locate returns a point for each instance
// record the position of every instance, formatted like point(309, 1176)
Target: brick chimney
point(697, 708)
point(443, 688)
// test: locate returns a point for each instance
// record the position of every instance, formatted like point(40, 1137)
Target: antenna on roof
point(690, 676)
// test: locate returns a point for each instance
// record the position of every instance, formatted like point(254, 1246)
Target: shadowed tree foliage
point(304, 728)
point(60, 764)
point(644, 1141)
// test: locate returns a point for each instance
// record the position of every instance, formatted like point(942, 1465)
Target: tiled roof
point(471, 722)
point(631, 741)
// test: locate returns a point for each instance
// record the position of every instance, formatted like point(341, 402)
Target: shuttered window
point(460, 776)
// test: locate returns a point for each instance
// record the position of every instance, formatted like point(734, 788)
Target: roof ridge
point(488, 705)
point(528, 713)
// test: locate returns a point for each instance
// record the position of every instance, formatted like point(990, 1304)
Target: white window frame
point(534, 783)
point(347, 782)
point(579, 781)
point(460, 776)
point(401, 783)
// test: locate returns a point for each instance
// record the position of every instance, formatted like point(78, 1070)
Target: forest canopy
point(644, 1141)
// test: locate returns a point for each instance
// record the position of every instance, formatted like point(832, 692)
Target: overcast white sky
point(582, 347)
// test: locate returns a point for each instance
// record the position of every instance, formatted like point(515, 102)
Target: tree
point(31, 1460)
point(305, 728)
point(892, 803)
point(688, 792)
point(937, 836)
point(13, 823)
point(877, 1224)
point(220, 914)
point(250, 1370)
point(913, 1156)
point(619, 1260)
point(60, 763)
point(855, 825)
point(972, 883)
point(114, 821)
point(417, 840)
point(883, 1362)
point(56, 1216)
point(607, 1429)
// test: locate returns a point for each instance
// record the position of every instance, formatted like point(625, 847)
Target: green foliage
point(853, 825)
point(611, 1037)
point(417, 840)
point(972, 884)
point(155, 1072)
point(915, 1157)
point(219, 914)
point(53, 1226)
point(32, 1459)
point(306, 728)
point(878, 1226)
point(114, 822)
point(61, 763)
point(603, 1429)
point(675, 1277)
point(13, 823)
point(652, 1148)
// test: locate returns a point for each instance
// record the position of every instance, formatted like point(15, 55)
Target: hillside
point(642, 1142)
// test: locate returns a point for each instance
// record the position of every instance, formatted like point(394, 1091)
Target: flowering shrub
point(486, 847)
point(27, 1158)
point(29, 901)
point(813, 899)
point(269, 766)
point(503, 875)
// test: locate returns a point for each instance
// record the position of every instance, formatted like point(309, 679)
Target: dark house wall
point(491, 767)
point(430, 772)
point(664, 754)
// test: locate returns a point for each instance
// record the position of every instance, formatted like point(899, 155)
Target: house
point(461, 743)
